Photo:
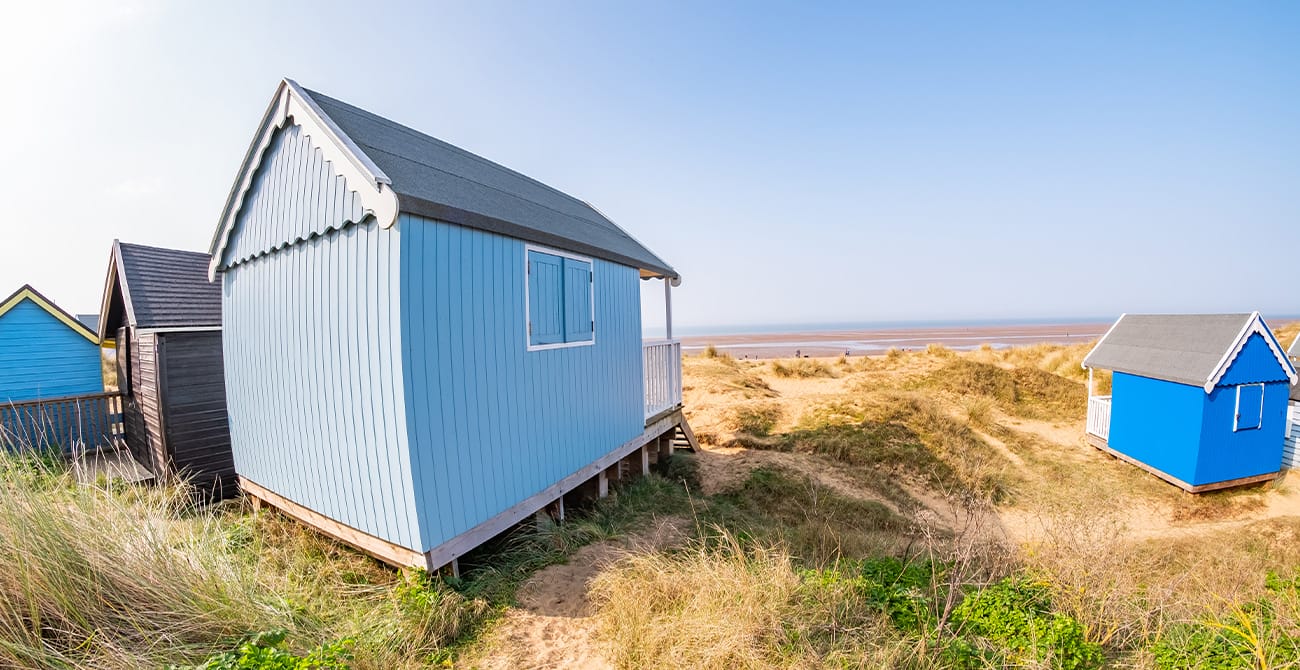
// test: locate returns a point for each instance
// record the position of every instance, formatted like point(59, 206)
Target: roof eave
point(462, 217)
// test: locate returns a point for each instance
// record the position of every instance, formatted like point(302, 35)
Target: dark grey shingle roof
point(168, 287)
point(1184, 348)
point(440, 181)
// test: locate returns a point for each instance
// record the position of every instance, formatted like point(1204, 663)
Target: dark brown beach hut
point(165, 318)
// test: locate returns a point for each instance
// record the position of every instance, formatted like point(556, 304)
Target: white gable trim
point(1097, 346)
point(291, 102)
point(1254, 324)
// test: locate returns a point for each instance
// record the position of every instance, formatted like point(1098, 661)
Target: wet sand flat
point(873, 342)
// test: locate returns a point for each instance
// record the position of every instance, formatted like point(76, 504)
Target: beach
point(877, 341)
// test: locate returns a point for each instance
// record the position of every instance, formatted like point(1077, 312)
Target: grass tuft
point(802, 368)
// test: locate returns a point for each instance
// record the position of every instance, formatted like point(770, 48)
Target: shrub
point(757, 418)
point(802, 368)
point(1015, 614)
point(266, 651)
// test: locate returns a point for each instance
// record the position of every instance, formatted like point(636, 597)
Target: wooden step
point(684, 437)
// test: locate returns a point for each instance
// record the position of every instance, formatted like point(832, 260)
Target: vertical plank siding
point(382, 378)
point(314, 378)
point(296, 195)
point(144, 402)
point(491, 423)
point(192, 394)
point(41, 357)
point(70, 425)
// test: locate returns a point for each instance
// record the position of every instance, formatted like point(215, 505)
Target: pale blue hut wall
point(1226, 454)
point(491, 422)
point(295, 195)
point(1157, 422)
point(41, 357)
point(312, 349)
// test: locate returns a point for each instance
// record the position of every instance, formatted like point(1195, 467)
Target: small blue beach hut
point(45, 352)
point(1199, 400)
point(422, 347)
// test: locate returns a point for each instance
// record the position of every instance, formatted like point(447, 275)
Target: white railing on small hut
point(663, 376)
point(1291, 441)
point(1099, 416)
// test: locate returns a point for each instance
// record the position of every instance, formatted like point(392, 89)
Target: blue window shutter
point(545, 299)
point(1250, 406)
point(578, 326)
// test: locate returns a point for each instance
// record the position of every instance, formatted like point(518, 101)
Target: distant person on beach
point(796, 354)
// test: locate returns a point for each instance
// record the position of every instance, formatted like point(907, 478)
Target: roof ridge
point(169, 249)
point(353, 109)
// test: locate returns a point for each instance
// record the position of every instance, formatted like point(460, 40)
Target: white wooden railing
point(1099, 416)
point(663, 375)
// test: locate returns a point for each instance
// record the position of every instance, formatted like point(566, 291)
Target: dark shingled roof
point(90, 321)
point(439, 181)
point(1184, 348)
point(167, 287)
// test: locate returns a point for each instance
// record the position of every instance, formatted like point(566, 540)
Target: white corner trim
point(1084, 363)
point(291, 102)
point(1255, 324)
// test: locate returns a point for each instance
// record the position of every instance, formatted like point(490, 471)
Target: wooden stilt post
point(602, 484)
point(645, 460)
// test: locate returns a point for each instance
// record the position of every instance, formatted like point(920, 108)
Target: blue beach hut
point(45, 352)
point(422, 347)
point(1199, 400)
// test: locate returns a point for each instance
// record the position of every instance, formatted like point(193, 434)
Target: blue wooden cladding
point(293, 167)
point(44, 352)
point(490, 422)
point(421, 347)
point(315, 380)
point(1227, 428)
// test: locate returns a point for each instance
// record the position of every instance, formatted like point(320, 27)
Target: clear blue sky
point(796, 163)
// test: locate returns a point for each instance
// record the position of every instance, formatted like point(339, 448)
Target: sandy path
point(553, 625)
point(724, 468)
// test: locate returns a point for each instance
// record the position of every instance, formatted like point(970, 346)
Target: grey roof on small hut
point(90, 321)
point(1294, 351)
point(1184, 348)
point(439, 181)
point(166, 288)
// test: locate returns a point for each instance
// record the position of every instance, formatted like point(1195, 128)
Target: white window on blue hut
point(561, 299)
point(1250, 407)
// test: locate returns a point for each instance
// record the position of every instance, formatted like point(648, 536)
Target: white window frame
point(1236, 412)
point(528, 317)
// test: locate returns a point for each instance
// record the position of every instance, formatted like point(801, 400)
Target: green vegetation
point(116, 576)
point(802, 368)
point(863, 532)
point(1023, 391)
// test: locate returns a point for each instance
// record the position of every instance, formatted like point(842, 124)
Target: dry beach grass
point(924, 509)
